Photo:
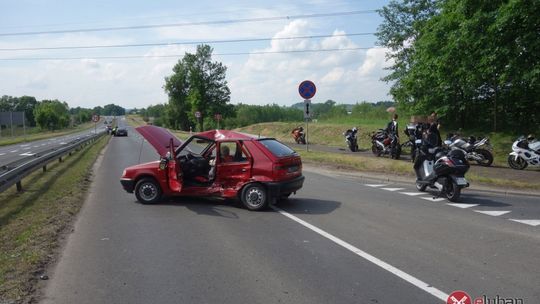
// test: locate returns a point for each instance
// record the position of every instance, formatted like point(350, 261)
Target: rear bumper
point(128, 184)
point(276, 189)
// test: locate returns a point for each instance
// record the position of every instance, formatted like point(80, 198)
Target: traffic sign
point(307, 89)
point(95, 118)
point(218, 116)
point(198, 114)
point(458, 297)
point(307, 108)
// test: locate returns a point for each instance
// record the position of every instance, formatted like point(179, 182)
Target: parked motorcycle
point(299, 135)
point(384, 143)
point(414, 134)
point(443, 171)
point(525, 151)
point(351, 138)
point(475, 150)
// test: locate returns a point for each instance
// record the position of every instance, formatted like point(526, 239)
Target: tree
point(197, 84)
point(52, 114)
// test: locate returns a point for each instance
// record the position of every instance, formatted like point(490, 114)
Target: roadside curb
point(382, 177)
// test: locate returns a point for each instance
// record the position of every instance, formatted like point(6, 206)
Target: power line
point(180, 55)
point(180, 43)
point(137, 27)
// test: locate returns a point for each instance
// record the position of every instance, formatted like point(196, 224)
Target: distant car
point(217, 163)
point(121, 132)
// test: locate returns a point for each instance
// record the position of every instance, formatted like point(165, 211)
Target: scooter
point(525, 151)
point(384, 143)
point(299, 136)
point(475, 150)
point(443, 171)
point(351, 138)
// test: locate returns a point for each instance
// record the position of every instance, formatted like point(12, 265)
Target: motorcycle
point(475, 150)
point(384, 143)
point(525, 151)
point(351, 138)
point(299, 135)
point(414, 133)
point(437, 169)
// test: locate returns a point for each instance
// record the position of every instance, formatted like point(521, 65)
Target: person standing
point(435, 125)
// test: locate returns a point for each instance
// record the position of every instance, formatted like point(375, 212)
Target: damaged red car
point(216, 163)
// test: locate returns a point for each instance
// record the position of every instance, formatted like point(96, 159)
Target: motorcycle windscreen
point(174, 179)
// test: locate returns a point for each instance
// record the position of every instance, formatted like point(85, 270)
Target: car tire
point(148, 191)
point(254, 197)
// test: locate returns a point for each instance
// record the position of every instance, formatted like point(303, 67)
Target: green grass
point(37, 134)
point(31, 221)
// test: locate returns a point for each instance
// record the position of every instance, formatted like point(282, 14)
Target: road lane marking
point(393, 189)
point(14, 151)
point(28, 154)
point(2, 154)
point(462, 206)
point(433, 199)
point(492, 213)
point(376, 185)
point(413, 193)
point(395, 271)
point(27, 148)
point(36, 146)
point(528, 222)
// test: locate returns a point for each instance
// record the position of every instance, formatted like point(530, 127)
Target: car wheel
point(254, 197)
point(148, 191)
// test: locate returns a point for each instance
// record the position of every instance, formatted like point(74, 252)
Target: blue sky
point(344, 76)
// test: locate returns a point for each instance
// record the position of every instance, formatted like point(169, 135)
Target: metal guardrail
point(15, 175)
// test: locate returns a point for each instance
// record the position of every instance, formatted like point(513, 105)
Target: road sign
point(218, 116)
point(307, 89)
point(95, 118)
point(198, 114)
point(307, 108)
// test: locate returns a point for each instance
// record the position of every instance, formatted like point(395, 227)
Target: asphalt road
point(341, 239)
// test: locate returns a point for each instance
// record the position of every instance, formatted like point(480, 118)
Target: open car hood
point(159, 138)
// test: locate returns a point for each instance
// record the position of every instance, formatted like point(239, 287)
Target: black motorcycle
point(414, 134)
point(478, 150)
point(351, 138)
point(383, 142)
point(442, 170)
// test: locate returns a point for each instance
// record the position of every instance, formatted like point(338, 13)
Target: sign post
point(218, 118)
point(198, 116)
point(95, 119)
point(307, 90)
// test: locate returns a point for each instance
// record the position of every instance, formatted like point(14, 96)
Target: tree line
point(476, 63)
point(53, 114)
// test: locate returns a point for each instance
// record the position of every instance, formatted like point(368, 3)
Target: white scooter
point(526, 151)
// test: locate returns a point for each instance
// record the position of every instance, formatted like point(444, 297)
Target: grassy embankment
point(32, 221)
point(37, 134)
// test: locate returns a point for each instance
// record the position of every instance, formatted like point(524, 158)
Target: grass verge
point(5, 141)
point(389, 166)
point(32, 221)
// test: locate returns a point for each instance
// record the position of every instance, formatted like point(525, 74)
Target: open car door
point(174, 171)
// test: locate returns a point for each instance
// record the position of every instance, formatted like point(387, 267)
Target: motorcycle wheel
point(487, 158)
point(518, 164)
point(453, 191)
point(421, 187)
point(375, 150)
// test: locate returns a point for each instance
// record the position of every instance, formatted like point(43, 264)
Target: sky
point(258, 72)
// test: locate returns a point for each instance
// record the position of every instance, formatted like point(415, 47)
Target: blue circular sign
point(307, 89)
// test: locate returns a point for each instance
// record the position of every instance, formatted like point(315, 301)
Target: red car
point(217, 163)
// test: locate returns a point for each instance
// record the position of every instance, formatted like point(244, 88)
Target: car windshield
point(195, 145)
point(277, 148)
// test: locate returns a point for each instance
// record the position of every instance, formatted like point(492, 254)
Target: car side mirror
point(163, 163)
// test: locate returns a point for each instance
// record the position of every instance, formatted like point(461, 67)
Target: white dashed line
point(2, 154)
point(36, 146)
point(27, 154)
point(412, 193)
point(462, 206)
point(393, 189)
point(395, 271)
point(433, 199)
point(375, 185)
point(528, 222)
point(27, 148)
point(14, 151)
point(492, 213)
